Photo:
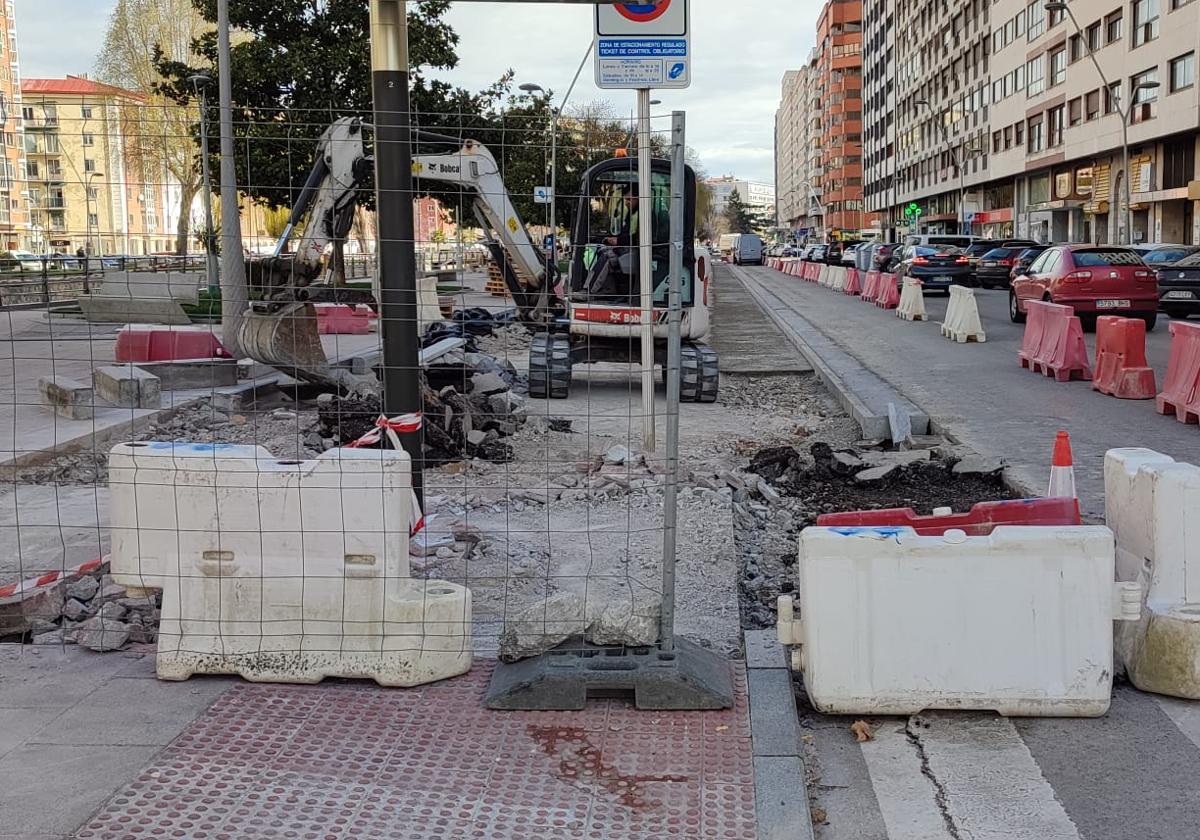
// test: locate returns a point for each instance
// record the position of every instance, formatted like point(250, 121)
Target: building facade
point(14, 210)
point(89, 186)
point(942, 94)
point(879, 112)
point(757, 196)
point(1056, 139)
point(798, 153)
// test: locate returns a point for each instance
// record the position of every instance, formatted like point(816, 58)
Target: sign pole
point(646, 276)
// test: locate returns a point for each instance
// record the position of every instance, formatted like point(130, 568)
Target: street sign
point(541, 195)
point(643, 45)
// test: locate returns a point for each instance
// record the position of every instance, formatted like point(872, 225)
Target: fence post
point(45, 281)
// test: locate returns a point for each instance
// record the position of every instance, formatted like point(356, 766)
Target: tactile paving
point(353, 760)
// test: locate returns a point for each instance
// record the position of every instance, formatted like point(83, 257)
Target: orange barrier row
point(853, 283)
point(1053, 342)
point(870, 287)
point(887, 296)
point(1181, 390)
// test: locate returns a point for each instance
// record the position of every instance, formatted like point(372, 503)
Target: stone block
point(66, 397)
point(196, 373)
point(18, 611)
point(127, 386)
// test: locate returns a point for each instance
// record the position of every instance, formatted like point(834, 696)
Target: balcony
point(41, 124)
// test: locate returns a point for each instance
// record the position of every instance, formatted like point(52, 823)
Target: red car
point(1094, 279)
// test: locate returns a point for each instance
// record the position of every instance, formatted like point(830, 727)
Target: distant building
point(797, 153)
point(87, 187)
point(14, 211)
point(759, 197)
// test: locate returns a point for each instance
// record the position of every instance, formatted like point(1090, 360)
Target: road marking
point(1185, 714)
point(958, 776)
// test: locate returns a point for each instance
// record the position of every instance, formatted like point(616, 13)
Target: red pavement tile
point(353, 760)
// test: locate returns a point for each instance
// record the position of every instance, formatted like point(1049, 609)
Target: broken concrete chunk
point(978, 465)
point(66, 397)
point(903, 459)
point(127, 386)
point(508, 404)
point(75, 610)
point(83, 589)
point(541, 626)
point(54, 637)
point(626, 621)
point(875, 473)
point(617, 455)
point(426, 544)
point(847, 460)
point(112, 610)
point(111, 591)
point(101, 634)
point(476, 437)
point(488, 383)
point(768, 492)
point(17, 611)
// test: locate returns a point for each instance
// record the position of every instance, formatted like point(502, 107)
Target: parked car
point(1164, 256)
point(1024, 260)
point(978, 247)
point(883, 256)
point(1093, 279)
point(792, 251)
point(993, 269)
point(748, 250)
point(818, 253)
point(937, 239)
point(833, 253)
point(936, 266)
point(850, 255)
point(1179, 287)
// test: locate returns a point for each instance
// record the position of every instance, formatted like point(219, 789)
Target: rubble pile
point(93, 611)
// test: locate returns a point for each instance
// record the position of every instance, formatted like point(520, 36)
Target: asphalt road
point(981, 394)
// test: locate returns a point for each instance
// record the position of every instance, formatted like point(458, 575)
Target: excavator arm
point(474, 168)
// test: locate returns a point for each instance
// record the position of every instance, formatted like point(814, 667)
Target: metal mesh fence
point(253, 517)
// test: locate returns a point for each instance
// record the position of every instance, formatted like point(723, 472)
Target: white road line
point(906, 797)
point(1185, 714)
point(985, 784)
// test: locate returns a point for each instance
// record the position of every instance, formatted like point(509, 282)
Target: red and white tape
point(24, 587)
point(393, 428)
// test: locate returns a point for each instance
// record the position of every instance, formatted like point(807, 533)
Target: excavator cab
point(605, 259)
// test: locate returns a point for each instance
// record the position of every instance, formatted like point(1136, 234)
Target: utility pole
point(200, 82)
point(235, 297)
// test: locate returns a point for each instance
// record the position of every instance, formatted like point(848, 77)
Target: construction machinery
point(591, 315)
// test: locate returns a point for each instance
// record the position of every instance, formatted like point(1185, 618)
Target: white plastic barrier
point(962, 322)
point(837, 279)
point(429, 310)
point(280, 570)
point(912, 301)
point(1151, 503)
point(1019, 622)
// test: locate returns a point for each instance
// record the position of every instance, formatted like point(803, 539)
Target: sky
point(740, 51)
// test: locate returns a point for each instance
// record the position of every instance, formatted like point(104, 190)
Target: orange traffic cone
point(1062, 469)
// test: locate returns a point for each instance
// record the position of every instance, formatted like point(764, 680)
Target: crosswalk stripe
point(944, 775)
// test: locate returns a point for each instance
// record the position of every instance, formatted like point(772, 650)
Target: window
point(86, 112)
point(1076, 47)
point(1179, 164)
point(1091, 105)
point(1075, 111)
point(1112, 98)
point(1035, 19)
point(1035, 75)
point(1093, 37)
point(1057, 16)
point(1019, 130)
point(89, 165)
point(1112, 27)
point(1037, 140)
point(1145, 21)
point(89, 139)
point(92, 193)
point(1179, 4)
point(1183, 72)
point(1008, 137)
point(1054, 127)
point(1143, 99)
point(93, 220)
point(27, 112)
point(995, 142)
point(1058, 66)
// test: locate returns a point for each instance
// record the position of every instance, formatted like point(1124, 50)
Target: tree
point(738, 215)
point(160, 136)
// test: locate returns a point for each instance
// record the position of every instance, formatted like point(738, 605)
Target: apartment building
point(838, 101)
point(879, 127)
point(758, 196)
point(14, 216)
point(1055, 138)
point(89, 185)
point(798, 152)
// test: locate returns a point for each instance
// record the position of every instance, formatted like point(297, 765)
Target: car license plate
point(988, 264)
point(942, 279)
point(1180, 295)
point(1112, 304)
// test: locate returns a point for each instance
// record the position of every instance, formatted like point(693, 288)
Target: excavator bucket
point(287, 339)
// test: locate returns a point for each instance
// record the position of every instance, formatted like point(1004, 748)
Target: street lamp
point(199, 82)
point(87, 209)
point(968, 152)
point(1123, 112)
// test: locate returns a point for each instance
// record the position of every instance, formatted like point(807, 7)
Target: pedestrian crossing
point(1131, 775)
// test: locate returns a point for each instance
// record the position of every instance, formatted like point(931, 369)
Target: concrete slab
point(746, 340)
point(763, 650)
point(781, 801)
point(18, 726)
point(182, 375)
point(45, 528)
point(773, 712)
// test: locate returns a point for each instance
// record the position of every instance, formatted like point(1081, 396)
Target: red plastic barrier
point(343, 319)
point(811, 270)
point(853, 283)
point(1121, 369)
point(1053, 342)
point(871, 286)
point(979, 522)
point(149, 343)
point(887, 295)
point(796, 269)
point(1181, 391)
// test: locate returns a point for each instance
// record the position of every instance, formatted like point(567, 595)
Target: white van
point(748, 250)
point(726, 244)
